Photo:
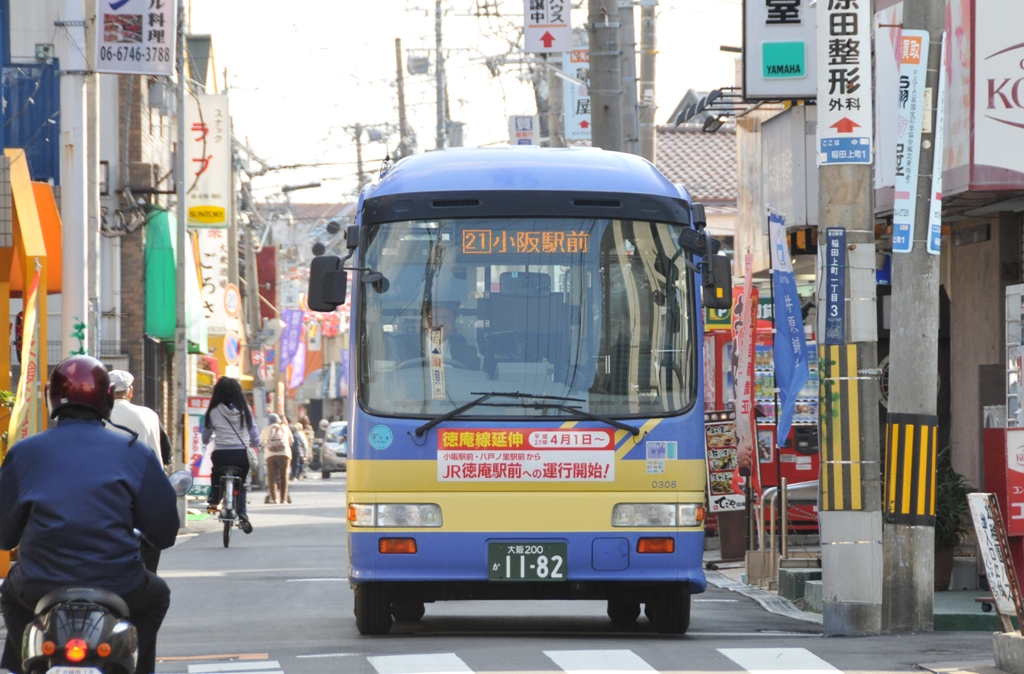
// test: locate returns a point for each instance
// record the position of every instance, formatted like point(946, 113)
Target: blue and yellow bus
point(526, 409)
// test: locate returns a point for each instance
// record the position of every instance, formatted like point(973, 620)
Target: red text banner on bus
point(525, 455)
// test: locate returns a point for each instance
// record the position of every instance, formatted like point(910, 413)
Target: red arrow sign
point(548, 39)
point(845, 125)
point(584, 124)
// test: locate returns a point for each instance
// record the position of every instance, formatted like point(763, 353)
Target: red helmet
point(81, 381)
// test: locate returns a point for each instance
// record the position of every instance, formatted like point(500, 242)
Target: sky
point(300, 78)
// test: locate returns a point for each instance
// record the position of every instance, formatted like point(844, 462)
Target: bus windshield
point(597, 315)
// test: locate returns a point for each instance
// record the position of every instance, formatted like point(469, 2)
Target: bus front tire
point(372, 609)
point(623, 612)
point(407, 610)
point(671, 612)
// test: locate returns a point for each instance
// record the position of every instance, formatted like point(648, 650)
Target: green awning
point(161, 284)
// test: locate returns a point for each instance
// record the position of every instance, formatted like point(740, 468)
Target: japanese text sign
point(779, 45)
point(845, 115)
point(790, 345)
point(207, 160)
point(524, 130)
point(1015, 482)
point(576, 96)
point(213, 267)
point(489, 241)
point(835, 285)
point(909, 113)
point(995, 553)
point(720, 439)
point(547, 26)
point(935, 211)
point(136, 37)
point(525, 455)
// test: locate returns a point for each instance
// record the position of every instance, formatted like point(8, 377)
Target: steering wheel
point(423, 361)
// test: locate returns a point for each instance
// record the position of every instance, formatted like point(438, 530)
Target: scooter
point(84, 630)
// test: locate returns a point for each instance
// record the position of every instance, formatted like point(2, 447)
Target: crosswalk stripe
point(429, 663)
point(235, 667)
point(764, 660)
point(599, 662)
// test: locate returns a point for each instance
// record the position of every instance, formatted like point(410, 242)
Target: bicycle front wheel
point(227, 533)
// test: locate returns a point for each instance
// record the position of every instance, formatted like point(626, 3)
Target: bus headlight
point(394, 515)
point(657, 514)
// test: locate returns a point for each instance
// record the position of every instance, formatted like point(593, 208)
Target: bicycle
point(229, 491)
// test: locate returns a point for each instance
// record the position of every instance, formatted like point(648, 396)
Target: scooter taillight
point(75, 650)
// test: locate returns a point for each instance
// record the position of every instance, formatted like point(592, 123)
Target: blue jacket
point(70, 497)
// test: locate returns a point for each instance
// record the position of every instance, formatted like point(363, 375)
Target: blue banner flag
point(291, 336)
point(790, 345)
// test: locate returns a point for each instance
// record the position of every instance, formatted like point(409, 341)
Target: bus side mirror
point(718, 284)
point(328, 283)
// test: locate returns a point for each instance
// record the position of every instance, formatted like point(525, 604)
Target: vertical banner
point(835, 285)
point(297, 367)
point(291, 336)
point(910, 112)
point(213, 270)
point(208, 156)
point(845, 116)
point(136, 37)
point(744, 322)
point(25, 415)
point(935, 213)
point(791, 371)
point(720, 438)
point(576, 96)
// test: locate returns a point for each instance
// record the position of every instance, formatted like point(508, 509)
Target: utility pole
point(913, 374)
point(442, 121)
point(627, 42)
point(605, 75)
point(556, 137)
point(648, 55)
point(74, 175)
point(403, 122)
point(180, 336)
point(850, 506)
point(363, 178)
point(93, 195)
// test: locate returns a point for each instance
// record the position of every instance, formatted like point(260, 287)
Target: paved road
point(280, 598)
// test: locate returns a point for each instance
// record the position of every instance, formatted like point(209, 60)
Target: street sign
point(845, 116)
point(524, 130)
point(779, 50)
point(576, 97)
point(835, 285)
point(232, 301)
point(547, 26)
point(255, 357)
point(232, 348)
point(995, 554)
point(910, 111)
point(136, 37)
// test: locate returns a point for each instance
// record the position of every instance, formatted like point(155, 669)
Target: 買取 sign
point(524, 130)
point(779, 50)
point(910, 110)
point(136, 37)
point(845, 102)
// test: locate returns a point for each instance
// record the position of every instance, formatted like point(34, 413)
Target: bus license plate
point(526, 561)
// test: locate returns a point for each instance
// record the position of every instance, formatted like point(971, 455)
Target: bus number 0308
point(663, 484)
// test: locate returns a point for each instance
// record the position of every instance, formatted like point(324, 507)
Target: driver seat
point(92, 595)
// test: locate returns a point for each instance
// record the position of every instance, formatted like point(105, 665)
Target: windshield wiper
point(484, 397)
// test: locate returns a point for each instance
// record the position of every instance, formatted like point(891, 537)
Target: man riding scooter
point(70, 498)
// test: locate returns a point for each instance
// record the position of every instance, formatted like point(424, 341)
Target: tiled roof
point(704, 162)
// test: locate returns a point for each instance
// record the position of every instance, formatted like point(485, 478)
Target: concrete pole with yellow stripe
point(913, 380)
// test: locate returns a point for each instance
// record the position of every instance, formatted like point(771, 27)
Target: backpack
point(275, 440)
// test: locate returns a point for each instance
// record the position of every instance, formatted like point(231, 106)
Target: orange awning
point(49, 221)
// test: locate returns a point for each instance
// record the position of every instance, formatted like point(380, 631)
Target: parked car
point(334, 450)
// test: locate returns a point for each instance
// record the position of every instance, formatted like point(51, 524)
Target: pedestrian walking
point(277, 441)
point(300, 449)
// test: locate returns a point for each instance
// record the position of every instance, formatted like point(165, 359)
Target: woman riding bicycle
point(229, 421)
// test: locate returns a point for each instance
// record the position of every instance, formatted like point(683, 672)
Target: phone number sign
point(136, 37)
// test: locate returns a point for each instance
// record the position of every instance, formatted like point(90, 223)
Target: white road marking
point(328, 655)
point(235, 667)
point(429, 663)
point(317, 580)
point(718, 601)
point(599, 662)
point(763, 660)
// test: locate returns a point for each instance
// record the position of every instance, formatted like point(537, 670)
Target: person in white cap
point(142, 420)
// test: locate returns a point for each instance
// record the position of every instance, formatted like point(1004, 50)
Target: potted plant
point(951, 512)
